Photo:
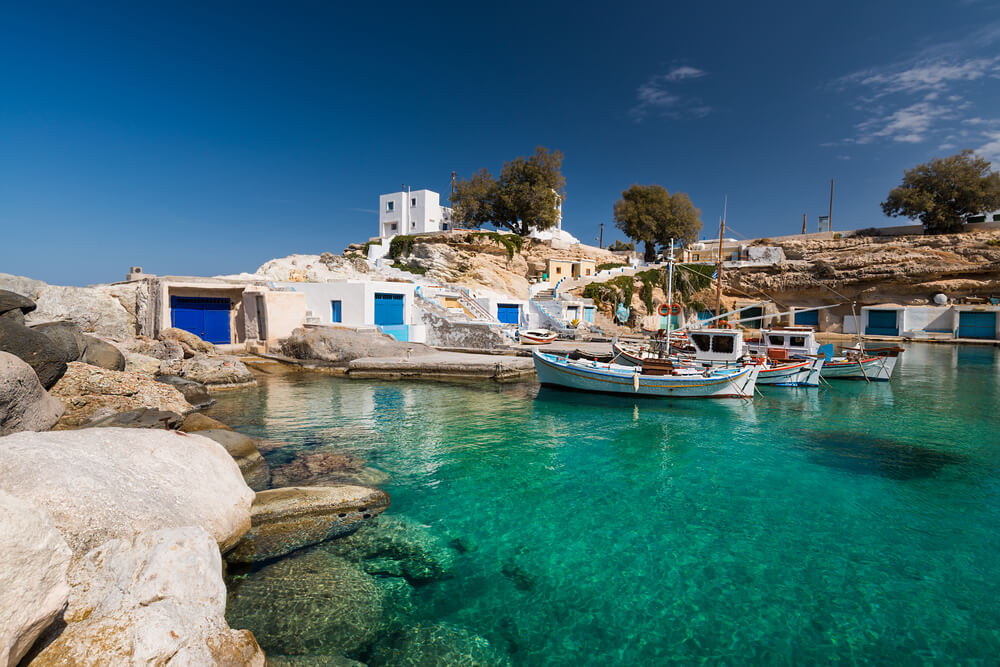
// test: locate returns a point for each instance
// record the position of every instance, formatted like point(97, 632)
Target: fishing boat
point(658, 379)
point(857, 362)
point(536, 336)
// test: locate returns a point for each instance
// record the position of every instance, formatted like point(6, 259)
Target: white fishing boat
point(536, 336)
point(663, 381)
point(857, 362)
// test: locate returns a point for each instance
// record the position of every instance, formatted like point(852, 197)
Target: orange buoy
point(663, 310)
point(675, 309)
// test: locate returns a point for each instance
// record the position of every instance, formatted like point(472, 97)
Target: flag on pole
point(715, 276)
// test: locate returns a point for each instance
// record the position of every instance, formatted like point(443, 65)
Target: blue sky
point(209, 138)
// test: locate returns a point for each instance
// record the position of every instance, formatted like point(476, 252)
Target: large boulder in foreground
point(288, 519)
point(15, 301)
point(90, 393)
point(34, 348)
point(217, 372)
point(33, 586)
point(102, 354)
point(243, 450)
point(24, 405)
point(342, 345)
point(152, 599)
point(309, 603)
point(94, 309)
point(67, 336)
point(99, 484)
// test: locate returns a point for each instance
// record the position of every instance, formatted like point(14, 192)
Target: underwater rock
point(308, 603)
point(314, 468)
point(439, 644)
point(421, 556)
point(283, 520)
point(872, 455)
point(311, 661)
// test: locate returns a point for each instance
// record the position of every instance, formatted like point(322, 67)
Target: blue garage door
point(335, 312)
point(388, 309)
point(508, 313)
point(882, 323)
point(977, 325)
point(205, 317)
point(808, 319)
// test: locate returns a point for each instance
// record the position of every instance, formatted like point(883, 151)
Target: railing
point(559, 326)
point(465, 298)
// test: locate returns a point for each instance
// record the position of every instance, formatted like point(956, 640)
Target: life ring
point(663, 310)
point(675, 309)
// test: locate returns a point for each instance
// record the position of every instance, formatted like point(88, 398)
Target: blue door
point(205, 317)
point(977, 325)
point(752, 312)
point(388, 309)
point(882, 323)
point(809, 319)
point(508, 313)
point(588, 314)
point(335, 315)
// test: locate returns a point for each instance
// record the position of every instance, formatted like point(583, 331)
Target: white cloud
point(907, 125)
point(991, 149)
point(924, 77)
point(658, 95)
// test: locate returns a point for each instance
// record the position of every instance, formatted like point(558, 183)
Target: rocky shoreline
point(138, 530)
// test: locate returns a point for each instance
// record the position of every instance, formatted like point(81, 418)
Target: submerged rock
point(99, 484)
point(437, 644)
point(103, 354)
point(311, 661)
point(195, 392)
point(284, 520)
point(397, 542)
point(312, 468)
point(217, 372)
point(33, 586)
point(308, 603)
point(252, 465)
point(24, 405)
point(152, 599)
point(89, 392)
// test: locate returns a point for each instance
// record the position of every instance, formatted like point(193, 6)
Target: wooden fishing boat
point(536, 336)
point(658, 380)
point(857, 363)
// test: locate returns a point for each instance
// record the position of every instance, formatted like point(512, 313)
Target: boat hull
point(875, 369)
point(616, 379)
point(787, 375)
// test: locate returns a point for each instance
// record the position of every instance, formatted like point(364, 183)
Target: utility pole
point(803, 223)
point(600, 239)
point(452, 199)
point(831, 206)
point(718, 266)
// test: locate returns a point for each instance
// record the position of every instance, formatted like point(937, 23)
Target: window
point(413, 202)
point(388, 205)
point(558, 269)
point(413, 225)
point(335, 315)
point(444, 226)
point(701, 341)
point(394, 226)
point(696, 257)
point(777, 341)
point(798, 341)
point(723, 344)
point(587, 272)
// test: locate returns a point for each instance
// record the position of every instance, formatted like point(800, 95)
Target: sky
point(205, 139)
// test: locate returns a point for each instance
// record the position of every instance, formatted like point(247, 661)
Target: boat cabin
point(717, 345)
point(784, 343)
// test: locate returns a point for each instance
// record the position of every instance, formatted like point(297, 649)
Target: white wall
point(425, 216)
point(357, 300)
point(928, 318)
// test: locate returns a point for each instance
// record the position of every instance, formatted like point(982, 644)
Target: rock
point(33, 586)
point(14, 301)
point(343, 345)
point(308, 603)
point(217, 372)
point(309, 468)
point(140, 363)
point(35, 348)
point(103, 354)
point(99, 484)
point(420, 555)
point(199, 422)
point(252, 465)
point(311, 661)
point(28, 287)
point(93, 308)
point(89, 392)
point(141, 418)
point(24, 405)
point(15, 316)
point(194, 392)
point(284, 520)
point(151, 599)
point(437, 644)
point(67, 336)
point(164, 350)
point(186, 338)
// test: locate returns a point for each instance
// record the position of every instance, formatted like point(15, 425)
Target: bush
point(401, 246)
point(868, 231)
point(609, 265)
point(512, 242)
point(993, 242)
point(419, 270)
point(620, 246)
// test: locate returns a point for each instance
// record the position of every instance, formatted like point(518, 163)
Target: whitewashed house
point(412, 212)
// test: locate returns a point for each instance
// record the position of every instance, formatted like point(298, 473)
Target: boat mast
point(718, 265)
point(670, 293)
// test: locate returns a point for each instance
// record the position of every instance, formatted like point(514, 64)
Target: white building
point(412, 212)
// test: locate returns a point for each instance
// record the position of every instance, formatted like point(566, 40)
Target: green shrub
point(993, 242)
point(419, 270)
point(609, 265)
point(401, 246)
point(512, 242)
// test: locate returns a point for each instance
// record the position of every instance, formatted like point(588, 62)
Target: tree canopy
point(944, 192)
point(525, 197)
point(651, 215)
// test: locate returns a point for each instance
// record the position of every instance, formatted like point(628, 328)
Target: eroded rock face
point(33, 586)
point(100, 484)
point(151, 599)
point(217, 372)
point(252, 465)
point(308, 603)
point(24, 405)
point(94, 309)
point(284, 520)
point(343, 345)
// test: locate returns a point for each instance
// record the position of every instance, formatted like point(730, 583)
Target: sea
point(855, 524)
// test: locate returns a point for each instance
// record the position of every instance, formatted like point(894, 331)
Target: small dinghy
point(536, 336)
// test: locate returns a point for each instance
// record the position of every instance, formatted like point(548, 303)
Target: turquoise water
point(855, 524)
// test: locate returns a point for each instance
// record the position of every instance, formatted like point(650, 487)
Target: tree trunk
point(650, 254)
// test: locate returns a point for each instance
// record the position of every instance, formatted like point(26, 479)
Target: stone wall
point(442, 332)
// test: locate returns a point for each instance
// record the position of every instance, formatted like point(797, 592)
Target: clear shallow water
point(860, 523)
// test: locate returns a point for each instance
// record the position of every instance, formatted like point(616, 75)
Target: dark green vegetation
point(419, 270)
point(688, 279)
point(525, 197)
point(610, 265)
point(512, 242)
point(650, 214)
point(401, 245)
point(944, 192)
point(619, 246)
